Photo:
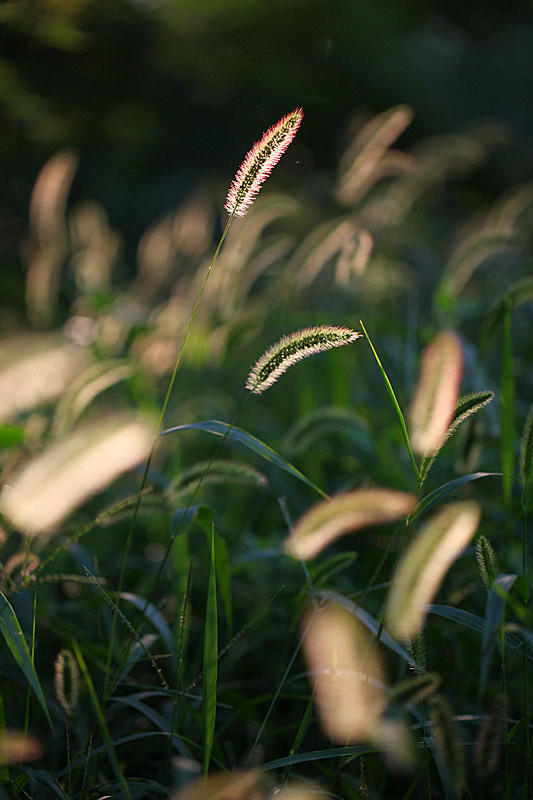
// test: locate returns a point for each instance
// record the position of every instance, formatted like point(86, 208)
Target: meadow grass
point(328, 594)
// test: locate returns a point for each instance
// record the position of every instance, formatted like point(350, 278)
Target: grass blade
point(223, 579)
point(101, 720)
point(210, 669)
point(14, 638)
point(446, 489)
point(242, 437)
point(392, 395)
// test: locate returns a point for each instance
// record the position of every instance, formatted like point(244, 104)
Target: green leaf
point(210, 661)
point(473, 622)
point(183, 517)
point(446, 489)
point(493, 615)
point(12, 633)
point(153, 616)
point(101, 720)
point(218, 428)
point(223, 579)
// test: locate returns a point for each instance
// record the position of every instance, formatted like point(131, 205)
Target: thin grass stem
point(149, 459)
point(394, 401)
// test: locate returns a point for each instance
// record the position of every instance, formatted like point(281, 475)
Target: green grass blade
point(210, 664)
point(474, 623)
point(101, 720)
point(394, 401)
point(223, 580)
point(154, 617)
point(446, 489)
point(14, 638)
point(242, 437)
point(352, 751)
point(493, 616)
point(300, 734)
point(507, 408)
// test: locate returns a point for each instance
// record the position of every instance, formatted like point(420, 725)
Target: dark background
point(157, 96)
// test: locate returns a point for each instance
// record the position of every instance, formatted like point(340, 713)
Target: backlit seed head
point(260, 161)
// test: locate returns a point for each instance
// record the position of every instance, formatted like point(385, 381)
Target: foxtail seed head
point(260, 162)
point(292, 348)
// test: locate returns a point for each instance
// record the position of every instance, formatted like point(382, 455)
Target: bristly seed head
point(292, 348)
point(260, 161)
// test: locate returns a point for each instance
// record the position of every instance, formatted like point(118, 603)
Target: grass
point(164, 630)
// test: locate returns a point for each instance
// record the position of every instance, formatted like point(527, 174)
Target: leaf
point(223, 579)
point(12, 633)
point(210, 662)
point(493, 615)
point(474, 623)
point(183, 517)
point(242, 437)
point(153, 616)
point(97, 708)
point(329, 519)
point(424, 564)
point(446, 489)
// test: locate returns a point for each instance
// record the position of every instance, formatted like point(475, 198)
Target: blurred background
point(159, 97)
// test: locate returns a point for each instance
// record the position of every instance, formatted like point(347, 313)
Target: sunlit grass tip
point(292, 348)
point(260, 161)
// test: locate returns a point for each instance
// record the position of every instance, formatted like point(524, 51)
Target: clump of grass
point(258, 632)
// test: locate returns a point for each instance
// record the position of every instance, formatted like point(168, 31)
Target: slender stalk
point(395, 403)
point(149, 459)
point(187, 332)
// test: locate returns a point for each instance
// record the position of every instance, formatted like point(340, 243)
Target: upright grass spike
point(260, 161)
point(292, 348)
point(67, 681)
point(254, 170)
point(487, 562)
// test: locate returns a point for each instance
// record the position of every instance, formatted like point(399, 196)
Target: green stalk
point(394, 401)
point(108, 741)
point(149, 459)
